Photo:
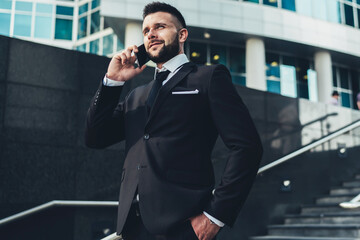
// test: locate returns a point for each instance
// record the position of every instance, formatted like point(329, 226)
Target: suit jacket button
point(146, 136)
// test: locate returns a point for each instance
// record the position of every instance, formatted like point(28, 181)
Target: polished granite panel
point(41, 65)
point(98, 174)
point(254, 100)
point(37, 173)
point(282, 110)
point(4, 54)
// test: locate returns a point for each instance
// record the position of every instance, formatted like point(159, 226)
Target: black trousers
point(134, 229)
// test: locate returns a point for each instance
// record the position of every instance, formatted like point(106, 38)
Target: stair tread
point(327, 214)
point(300, 237)
point(357, 226)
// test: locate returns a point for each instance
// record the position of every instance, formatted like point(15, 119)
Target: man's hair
point(163, 7)
point(335, 93)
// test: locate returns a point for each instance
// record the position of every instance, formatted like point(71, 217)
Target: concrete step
point(345, 190)
point(326, 208)
point(335, 198)
point(355, 183)
point(298, 238)
point(334, 218)
point(316, 230)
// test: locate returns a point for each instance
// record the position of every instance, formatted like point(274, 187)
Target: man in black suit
point(170, 127)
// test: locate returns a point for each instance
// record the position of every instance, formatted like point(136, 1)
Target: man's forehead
point(159, 17)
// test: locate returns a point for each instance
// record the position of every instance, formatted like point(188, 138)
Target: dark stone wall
point(44, 96)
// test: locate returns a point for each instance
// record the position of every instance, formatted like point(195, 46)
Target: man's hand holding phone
point(122, 65)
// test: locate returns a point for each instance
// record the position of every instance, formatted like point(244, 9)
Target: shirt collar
point(173, 64)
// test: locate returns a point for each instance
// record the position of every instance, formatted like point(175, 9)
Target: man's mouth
point(155, 43)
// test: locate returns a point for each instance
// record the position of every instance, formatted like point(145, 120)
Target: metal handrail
point(322, 140)
point(58, 203)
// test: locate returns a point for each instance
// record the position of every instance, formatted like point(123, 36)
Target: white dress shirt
point(173, 65)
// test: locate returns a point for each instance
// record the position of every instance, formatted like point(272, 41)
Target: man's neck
point(159, 65)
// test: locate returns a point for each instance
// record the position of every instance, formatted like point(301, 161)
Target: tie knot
point(161, 76)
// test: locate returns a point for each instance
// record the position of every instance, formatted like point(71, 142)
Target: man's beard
point(167, 52)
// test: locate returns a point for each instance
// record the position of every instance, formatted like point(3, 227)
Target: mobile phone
point(142, 56)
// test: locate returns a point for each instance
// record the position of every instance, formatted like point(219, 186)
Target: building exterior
point(297, 48)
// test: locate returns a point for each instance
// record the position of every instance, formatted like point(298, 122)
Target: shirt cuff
point(214, 220)
point(112, 83)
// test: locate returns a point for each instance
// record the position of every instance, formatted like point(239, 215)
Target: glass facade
point(337, 11)
point(55, 21)
point(288, 75)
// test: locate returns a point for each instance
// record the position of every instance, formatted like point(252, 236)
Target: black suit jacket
point(168, 151)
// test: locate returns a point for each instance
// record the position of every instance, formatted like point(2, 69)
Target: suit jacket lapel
point(165, 90)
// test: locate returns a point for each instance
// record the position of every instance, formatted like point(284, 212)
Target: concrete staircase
point(325, 220)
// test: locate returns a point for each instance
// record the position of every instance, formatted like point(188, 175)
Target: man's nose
point(151, 33)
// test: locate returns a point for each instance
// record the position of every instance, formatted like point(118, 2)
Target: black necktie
point(160, 77)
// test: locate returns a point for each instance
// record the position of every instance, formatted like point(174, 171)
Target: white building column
point(133, 34)
point(323, 68)
point(255, 64)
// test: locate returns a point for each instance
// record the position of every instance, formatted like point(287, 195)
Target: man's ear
point(183, 35)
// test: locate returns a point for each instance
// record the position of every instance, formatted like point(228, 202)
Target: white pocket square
point(187, 92)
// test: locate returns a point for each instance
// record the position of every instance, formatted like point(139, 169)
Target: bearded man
point(170, 127)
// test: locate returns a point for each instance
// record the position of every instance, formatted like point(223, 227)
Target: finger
point(128, 54)
point(140, 69)
point(135, 49)
point(123, 58)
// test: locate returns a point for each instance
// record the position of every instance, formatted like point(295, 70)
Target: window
point(273, 72)
point(333, 11)
point(108, 43)
point(61, 10)
point(43, 27)
point(5, 4)
point(5, 24)
point(95, 22)
point(44, 8)
point(237, 60)
point(119, 44)
point(82, 27)
point(198, 53)
point(273, 3)
point(349, 15)
point(304, 7)
point(94, 46)
point(23, 6)
point(95, 3)
point(63, 29)
point(217, 54)
point(288, 4)
point(83, 9)
point(81, 48)
point(254, 1)
point(22, 25)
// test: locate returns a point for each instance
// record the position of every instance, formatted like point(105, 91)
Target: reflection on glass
point(288, 4)
point(82, 26)
point(239, 80)
point(61, 10)
point(345, 99)
point(198, 52)
point(288, 81)
point(254, 1)
point(95, 3)
point(273, 86)
point(237, 60)
point(5, 24)
point(23, 6)
point(5, 4)
point(43, 27)
point(273, 3)
point(83, 8)
point(22, 25)
point(333, 11)
point(217, 54)
point(349, 15)
point(44, 8)
point(312, 83)
point(81, 48)
point(94, 46)
point(304, 7)
point(63, 29)
point(95, 22)
point(108, 43)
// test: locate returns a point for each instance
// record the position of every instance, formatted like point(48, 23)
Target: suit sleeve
point(105, 118)
point(239, 134)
